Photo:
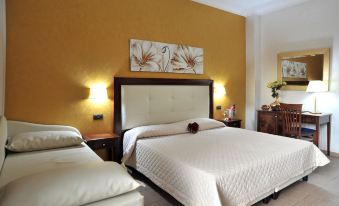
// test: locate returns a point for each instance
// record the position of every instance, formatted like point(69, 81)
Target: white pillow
point(206, 123)
point(3, 139)
point(31, 141)
point(76, 185)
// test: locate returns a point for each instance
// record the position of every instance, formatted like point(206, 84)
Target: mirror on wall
point(299, 67)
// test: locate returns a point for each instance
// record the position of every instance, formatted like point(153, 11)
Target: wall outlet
point(218, 107)
point(98, 116)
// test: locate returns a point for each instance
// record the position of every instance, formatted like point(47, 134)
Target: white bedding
point(17, 165)
point(222, 166)
point(133, 198)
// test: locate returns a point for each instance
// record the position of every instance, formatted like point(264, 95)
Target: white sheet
point(128, 199)
point(20, 164)
point(180, 127)
point(224, 166)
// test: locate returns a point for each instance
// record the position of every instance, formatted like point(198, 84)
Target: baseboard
point(333, 154)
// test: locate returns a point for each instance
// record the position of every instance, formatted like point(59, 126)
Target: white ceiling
point(251, 7)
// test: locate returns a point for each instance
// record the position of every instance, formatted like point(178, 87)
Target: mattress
point(21, 164)
point(128, 199)
point(224, 166)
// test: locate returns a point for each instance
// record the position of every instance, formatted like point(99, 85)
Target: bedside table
point(232, 123)
point(108, 141)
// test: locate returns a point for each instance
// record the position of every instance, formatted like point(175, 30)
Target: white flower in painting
point(145, 56)
point(187, 58)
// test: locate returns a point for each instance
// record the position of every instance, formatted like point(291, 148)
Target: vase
point(275, 106)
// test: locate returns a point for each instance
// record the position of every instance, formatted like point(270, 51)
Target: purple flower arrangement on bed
point(193, 127)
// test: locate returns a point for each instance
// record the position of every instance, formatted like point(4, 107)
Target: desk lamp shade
point(316, 86)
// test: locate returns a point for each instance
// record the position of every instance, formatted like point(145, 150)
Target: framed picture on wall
point(298, 68)
point(293, 71)
point(149, 56)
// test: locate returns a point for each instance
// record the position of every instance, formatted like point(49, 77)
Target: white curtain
point(2, 54)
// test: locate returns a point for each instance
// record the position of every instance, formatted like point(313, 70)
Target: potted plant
point(275, 87)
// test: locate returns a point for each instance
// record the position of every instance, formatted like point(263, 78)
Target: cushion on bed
point(206, 123)
point(3, 139)
point(131, 136)
point(76, 185)
point(42, 140)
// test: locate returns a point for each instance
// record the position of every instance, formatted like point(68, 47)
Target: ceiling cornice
point(251, 7)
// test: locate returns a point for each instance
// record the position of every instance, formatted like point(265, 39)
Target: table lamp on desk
point(316, 86)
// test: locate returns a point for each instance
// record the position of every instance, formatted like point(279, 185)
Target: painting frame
point(151, 56)
point(311, 52)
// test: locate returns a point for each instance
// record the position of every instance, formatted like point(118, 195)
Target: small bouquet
point(275, 87)
point(193, 127)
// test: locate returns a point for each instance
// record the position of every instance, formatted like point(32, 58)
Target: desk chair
point(291, 114)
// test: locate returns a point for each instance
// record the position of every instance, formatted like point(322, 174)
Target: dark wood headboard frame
point(118, 81)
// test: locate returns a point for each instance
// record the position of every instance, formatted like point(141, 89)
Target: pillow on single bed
point(31, 141)
point(76, 185)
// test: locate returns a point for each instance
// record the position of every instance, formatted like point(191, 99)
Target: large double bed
point(218, 165)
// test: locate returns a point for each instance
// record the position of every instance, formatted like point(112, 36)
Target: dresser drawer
point(308, 119)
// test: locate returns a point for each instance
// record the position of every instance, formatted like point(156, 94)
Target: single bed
point(218, 165)
point(17, 165)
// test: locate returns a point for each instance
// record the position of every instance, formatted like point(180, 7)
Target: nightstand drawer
point(104, 141)
point(233, 124)
point(100, 144)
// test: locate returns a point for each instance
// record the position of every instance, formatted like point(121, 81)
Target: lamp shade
point(219, 90)
point(316, 86)
point(98, 93)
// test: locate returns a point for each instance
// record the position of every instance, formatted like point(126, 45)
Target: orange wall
point(57, 49)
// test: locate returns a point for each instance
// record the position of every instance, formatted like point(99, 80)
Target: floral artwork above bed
point(148, 56)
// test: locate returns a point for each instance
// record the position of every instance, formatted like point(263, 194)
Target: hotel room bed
point(17, 165)
point(24, 164)
point(219, 166)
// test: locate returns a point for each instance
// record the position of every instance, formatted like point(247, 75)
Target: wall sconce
point(219, 90)
point(98, 93)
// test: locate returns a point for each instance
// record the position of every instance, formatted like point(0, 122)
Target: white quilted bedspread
point(224, 166)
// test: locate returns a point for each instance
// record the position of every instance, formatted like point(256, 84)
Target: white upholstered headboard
point(140, 102)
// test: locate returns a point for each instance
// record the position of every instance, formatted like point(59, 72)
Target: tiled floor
point(322, 189)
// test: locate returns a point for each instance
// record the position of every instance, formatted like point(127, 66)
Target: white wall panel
point(307, 26)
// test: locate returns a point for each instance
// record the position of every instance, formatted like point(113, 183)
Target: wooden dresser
point(271, 122)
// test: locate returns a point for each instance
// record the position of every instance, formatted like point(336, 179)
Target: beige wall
point(57, 49)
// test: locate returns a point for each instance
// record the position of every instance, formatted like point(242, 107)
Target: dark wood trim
point(303, 83)
point(118, 81)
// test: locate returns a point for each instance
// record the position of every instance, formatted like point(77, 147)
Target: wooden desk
point(271, 122)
